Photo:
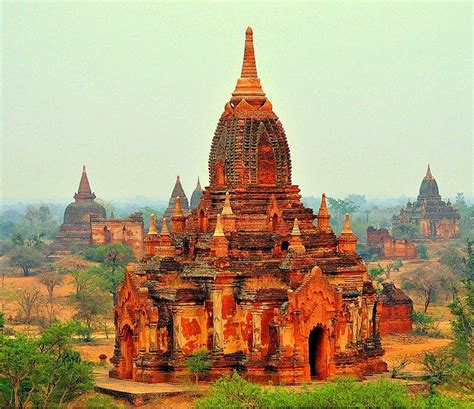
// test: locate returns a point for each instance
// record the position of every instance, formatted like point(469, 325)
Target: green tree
point(27, 258)
point(462, 309)
point(113, 259)
point(42, 372)
point(426, 283)
point(422, 251)
point(198, 363)
point(338, 209)
point(91, 304)
point(405, 231)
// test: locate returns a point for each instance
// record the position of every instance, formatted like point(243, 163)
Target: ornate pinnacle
point(178, 211)
point(347, 229)
point(219, 231)
point(227, 209)
point(296, 228)
point(152, 229)
point(164, 228)
point(249, 67)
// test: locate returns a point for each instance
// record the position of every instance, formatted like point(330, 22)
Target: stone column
point(297, 334)
point(176, 332)
point(218, 335)
point(153, 338)
point(256, 331)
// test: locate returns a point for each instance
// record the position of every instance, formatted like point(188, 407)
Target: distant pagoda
point(76, 229)
point(196, 196)
point(178, 191)
point(434, 217)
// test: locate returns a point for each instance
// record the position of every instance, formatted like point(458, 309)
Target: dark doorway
point(317, 353)
point(284, 246)
point(127, 352)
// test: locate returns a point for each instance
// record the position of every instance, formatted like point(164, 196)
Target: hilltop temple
point(434, 217)
point(250, 275)
point(85, 224)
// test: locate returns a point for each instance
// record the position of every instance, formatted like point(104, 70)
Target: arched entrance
point(318, 353)
point(126, 349)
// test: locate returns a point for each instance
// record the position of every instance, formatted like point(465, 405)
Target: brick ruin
point(390, 248)
point(86, 224)
point(250, 275)
point(434, 217)
point(395, 309)
point(128, 231)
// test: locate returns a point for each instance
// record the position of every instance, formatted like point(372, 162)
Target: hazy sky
point(368, 93)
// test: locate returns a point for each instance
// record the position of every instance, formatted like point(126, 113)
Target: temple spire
point(152, 229)
point(296, 228)
point(219, 231)
point(248, 86)
point(178, 211)
point(164, 228)
point(347, 229)
point(323, 216)
point(84, 191)
point(227, 209)
point(428, 173)
point(249, 67)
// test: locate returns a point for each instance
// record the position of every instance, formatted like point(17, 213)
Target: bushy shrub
point(198, 363)
point(233, 392)
point(425, 324)
point(42, 372)
point(422, 251)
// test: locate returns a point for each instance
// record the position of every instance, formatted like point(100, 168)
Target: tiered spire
point(347, 241)
point(428, 173)
point(347, 229)
point(178, 211)
point(248, 86)
point(227, 209)
point(196, 196)
point(296, 228)
point(323, 216)
point(296, 241)
point(152, 229)
point(164, 228)
point(84, 192)
point(151, 239)
point(219, 231)
point(178, 220)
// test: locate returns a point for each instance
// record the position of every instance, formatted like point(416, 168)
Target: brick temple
point(86, 224)
point(250, 275)
point(389, 247)
point(434, 217)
